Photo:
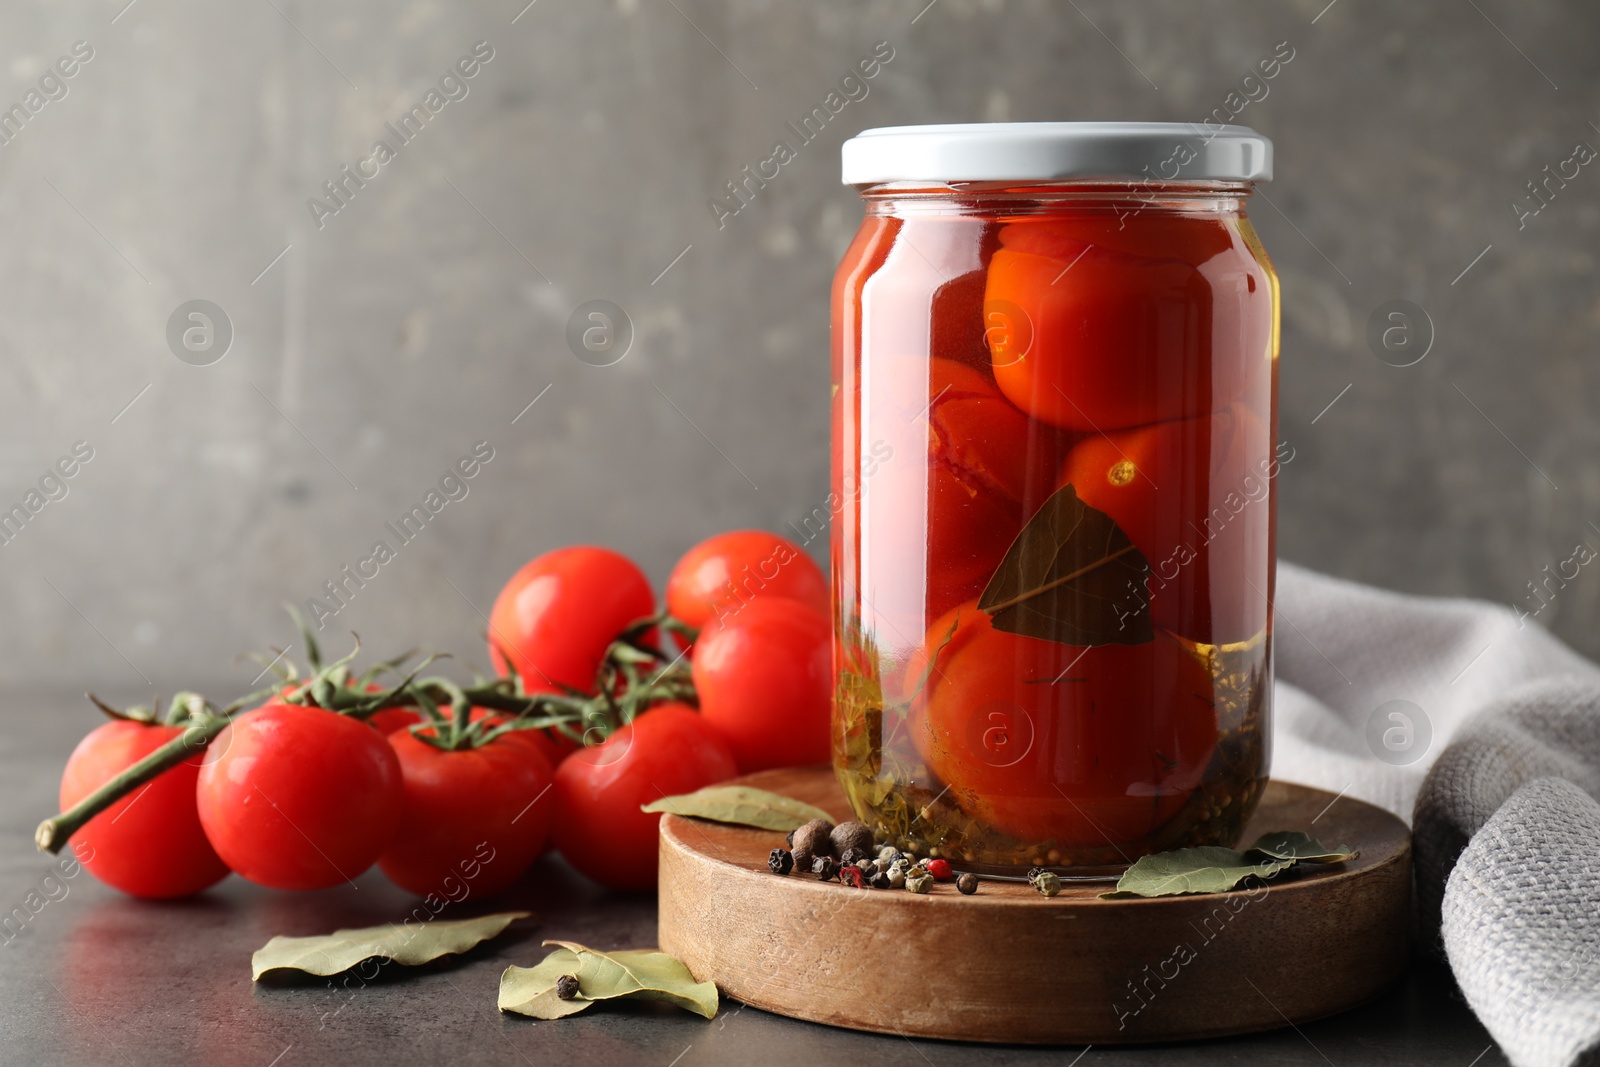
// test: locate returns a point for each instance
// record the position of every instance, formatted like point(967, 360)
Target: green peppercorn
point(1047, 883)
point(967, 883)
point(919, 881)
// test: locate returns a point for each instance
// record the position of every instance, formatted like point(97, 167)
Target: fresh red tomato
point(1192, 495)
point(558, 614)
point(299, 798)
point(765, 680)
point(149, 843)
point(667, 751)
point(716, 578)
point(1049, 742)
point(472, 820)
point(1100, 323)
point(966, 471)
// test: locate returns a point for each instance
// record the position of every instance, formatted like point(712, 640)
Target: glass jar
point(1054, 408)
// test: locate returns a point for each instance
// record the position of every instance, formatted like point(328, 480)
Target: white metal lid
point(1029, 151)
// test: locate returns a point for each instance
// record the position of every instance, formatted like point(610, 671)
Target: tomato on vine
point(557, 616)
point(765, 680)
point(150, 842)
point(296, 797)
point(472, 819)
point(718, 576)
point(666, 751)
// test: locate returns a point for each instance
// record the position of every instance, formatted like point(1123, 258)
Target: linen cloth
point(1494, 758)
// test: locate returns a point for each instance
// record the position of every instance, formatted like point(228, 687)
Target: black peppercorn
point(826, 868)
point(780, 861)
point(880, 880)
point(813, 837)
point(967, 883)
point(848, 835)
point(852, 856)
point(567, 987)
point(1034, 873)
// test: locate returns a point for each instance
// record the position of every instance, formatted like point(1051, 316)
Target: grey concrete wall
point(432, 308)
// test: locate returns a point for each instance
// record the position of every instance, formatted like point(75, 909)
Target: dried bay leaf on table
point(637, 974)
point(1207, 869)
point(341, 950)
point(1300, 846)
point(1073, 576)
point(532, 990)
point(742, 806)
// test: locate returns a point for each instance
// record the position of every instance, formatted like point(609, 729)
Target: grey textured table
point(95, 977)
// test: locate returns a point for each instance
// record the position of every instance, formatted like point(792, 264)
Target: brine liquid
point(1054, 450)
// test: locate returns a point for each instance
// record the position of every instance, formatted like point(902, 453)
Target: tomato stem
point(55, 831)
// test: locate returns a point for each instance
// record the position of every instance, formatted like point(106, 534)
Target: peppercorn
point(852, 876)
point(851, 856)
point(848, 835)
point(1047, 883)
point(967, 883)
point(567, 987)
point(813, 837)
point(780, 861)
point(802, 859)
point(919, 881)
point(826, 868)
point(1034, 873)
point(896, 876)
point(887, 853)
point(880, 880)
point(881, 864)
point(940, 869)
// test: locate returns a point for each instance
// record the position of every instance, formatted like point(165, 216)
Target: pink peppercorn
point(940, 869)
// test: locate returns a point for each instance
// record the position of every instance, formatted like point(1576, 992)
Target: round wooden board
point(1009, 965)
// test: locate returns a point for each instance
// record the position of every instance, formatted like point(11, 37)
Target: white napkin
point(1486, 729)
